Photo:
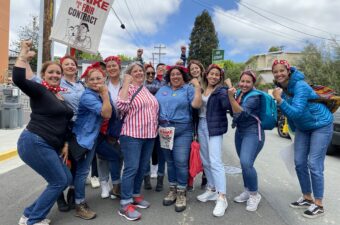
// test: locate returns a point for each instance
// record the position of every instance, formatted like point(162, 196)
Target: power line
point(283, 25)
point(160, 47)
point(289, 19)
point(249, 23)
point(133, 19)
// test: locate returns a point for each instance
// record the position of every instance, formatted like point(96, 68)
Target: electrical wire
point(133, 19)
point(248, 23)
point(283, 25)
point(289, 19)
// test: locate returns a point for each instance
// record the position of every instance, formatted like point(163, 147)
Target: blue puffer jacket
point(301, 113)
point(217, 106)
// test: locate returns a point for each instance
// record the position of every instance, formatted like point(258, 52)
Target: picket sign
point(79, 24)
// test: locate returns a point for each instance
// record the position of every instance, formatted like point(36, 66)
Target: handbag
point(77, 152)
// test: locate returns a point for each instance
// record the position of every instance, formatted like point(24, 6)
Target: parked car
point(335, 144)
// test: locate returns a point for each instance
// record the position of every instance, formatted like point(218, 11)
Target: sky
point(245, 28)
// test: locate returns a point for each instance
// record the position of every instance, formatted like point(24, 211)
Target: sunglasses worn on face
point(150, 73)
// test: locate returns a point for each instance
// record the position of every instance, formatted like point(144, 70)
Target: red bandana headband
point(283, 62)
point(250, 73)
point(215, 66)
point(54, 90)
point(91, 67)
point(113, 58)
point(179, 67)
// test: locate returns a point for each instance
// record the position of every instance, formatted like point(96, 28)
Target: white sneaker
point(253, 202)
point(208, 195)
point(243, 197)
point(220, 207)
point(154, 169)
point(95, 182)
point(88, 180)
point(23, 221)
point(43, 222)
point(105, 189)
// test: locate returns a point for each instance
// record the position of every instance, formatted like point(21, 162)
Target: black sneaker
point(314, 211)
point(301, 203)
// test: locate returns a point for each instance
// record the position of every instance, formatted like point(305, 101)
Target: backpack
point(326, 96)
point(268, 111)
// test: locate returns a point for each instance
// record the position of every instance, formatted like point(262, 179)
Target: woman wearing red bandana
point(94, 107)
point(42, 145)
point(313, 126)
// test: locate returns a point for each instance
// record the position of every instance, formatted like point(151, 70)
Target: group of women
point(124, 121)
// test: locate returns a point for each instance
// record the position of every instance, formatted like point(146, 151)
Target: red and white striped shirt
point(141, 120)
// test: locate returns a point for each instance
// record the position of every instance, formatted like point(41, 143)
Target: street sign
point(217, 55)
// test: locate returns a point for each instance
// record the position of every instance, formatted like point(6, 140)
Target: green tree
point(321, 64)
point(88, 56)
point(30, 31)
point(233, 70)
point(274, 49)
point(203, 39)
point(125, 58)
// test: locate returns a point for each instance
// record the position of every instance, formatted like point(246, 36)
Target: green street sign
point(217, 55)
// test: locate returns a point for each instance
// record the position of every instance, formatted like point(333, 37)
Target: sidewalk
point(8, 149)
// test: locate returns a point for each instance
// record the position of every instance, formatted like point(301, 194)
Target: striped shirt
point(141, 120)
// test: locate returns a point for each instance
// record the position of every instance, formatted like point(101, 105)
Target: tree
point(125, 58)
point(321, 65)
point(88, 56)
point(232, 70)
point(29, 31)
point(203, 39)
point(274, 49)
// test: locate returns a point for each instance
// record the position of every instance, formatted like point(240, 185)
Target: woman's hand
point(277, 94)
point(195, 82)
point(127, 79)
point(228, 83)
point(25, 50)
point(103, 89)
point(64, 152)
point(231, 92)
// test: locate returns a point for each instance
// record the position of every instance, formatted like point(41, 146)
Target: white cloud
point(245, 36)
point(148, 15)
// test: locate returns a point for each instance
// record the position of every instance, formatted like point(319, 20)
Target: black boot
point(62, 205)
point(70, 198)
point(147, 182)
point(159, 186)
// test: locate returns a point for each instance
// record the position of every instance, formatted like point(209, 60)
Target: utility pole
point(45, 25)
point(159, 53)
point(153, 59)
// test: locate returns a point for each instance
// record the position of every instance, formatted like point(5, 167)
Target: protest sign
point(79, 23)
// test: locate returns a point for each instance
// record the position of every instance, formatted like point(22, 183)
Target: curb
point(8, 154)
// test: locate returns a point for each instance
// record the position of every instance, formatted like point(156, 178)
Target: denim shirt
point(89, 119)
point(72, 95)
point(245, 120)
point(175, 105)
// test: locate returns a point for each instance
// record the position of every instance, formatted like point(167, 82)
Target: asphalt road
point(20, 186)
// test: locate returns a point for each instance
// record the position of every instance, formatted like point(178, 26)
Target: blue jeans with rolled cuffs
point(136, 155)
point(177, 159)
point(211, 156)
point(248, 146)
point(44, 160)
point(82, 171)
point(310, 149)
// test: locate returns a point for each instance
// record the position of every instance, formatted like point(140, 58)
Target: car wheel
point(280, 130)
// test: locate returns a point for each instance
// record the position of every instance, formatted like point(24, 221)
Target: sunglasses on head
point(150, 73)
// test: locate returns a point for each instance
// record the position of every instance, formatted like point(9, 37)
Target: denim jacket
point(89, 119)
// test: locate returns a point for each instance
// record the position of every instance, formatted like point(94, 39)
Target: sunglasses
point(150, 73)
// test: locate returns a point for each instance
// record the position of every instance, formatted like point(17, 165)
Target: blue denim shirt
point(72, 95)
point(175, 105)
point(89, 119)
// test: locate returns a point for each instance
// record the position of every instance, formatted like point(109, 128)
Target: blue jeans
point(211, 155)
point(110, 160)
point(136, 155)
point(82, 171)
point(177, 159)
point(248, 146)
point(43, 159)
point(160, 159)
point(310, 151)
